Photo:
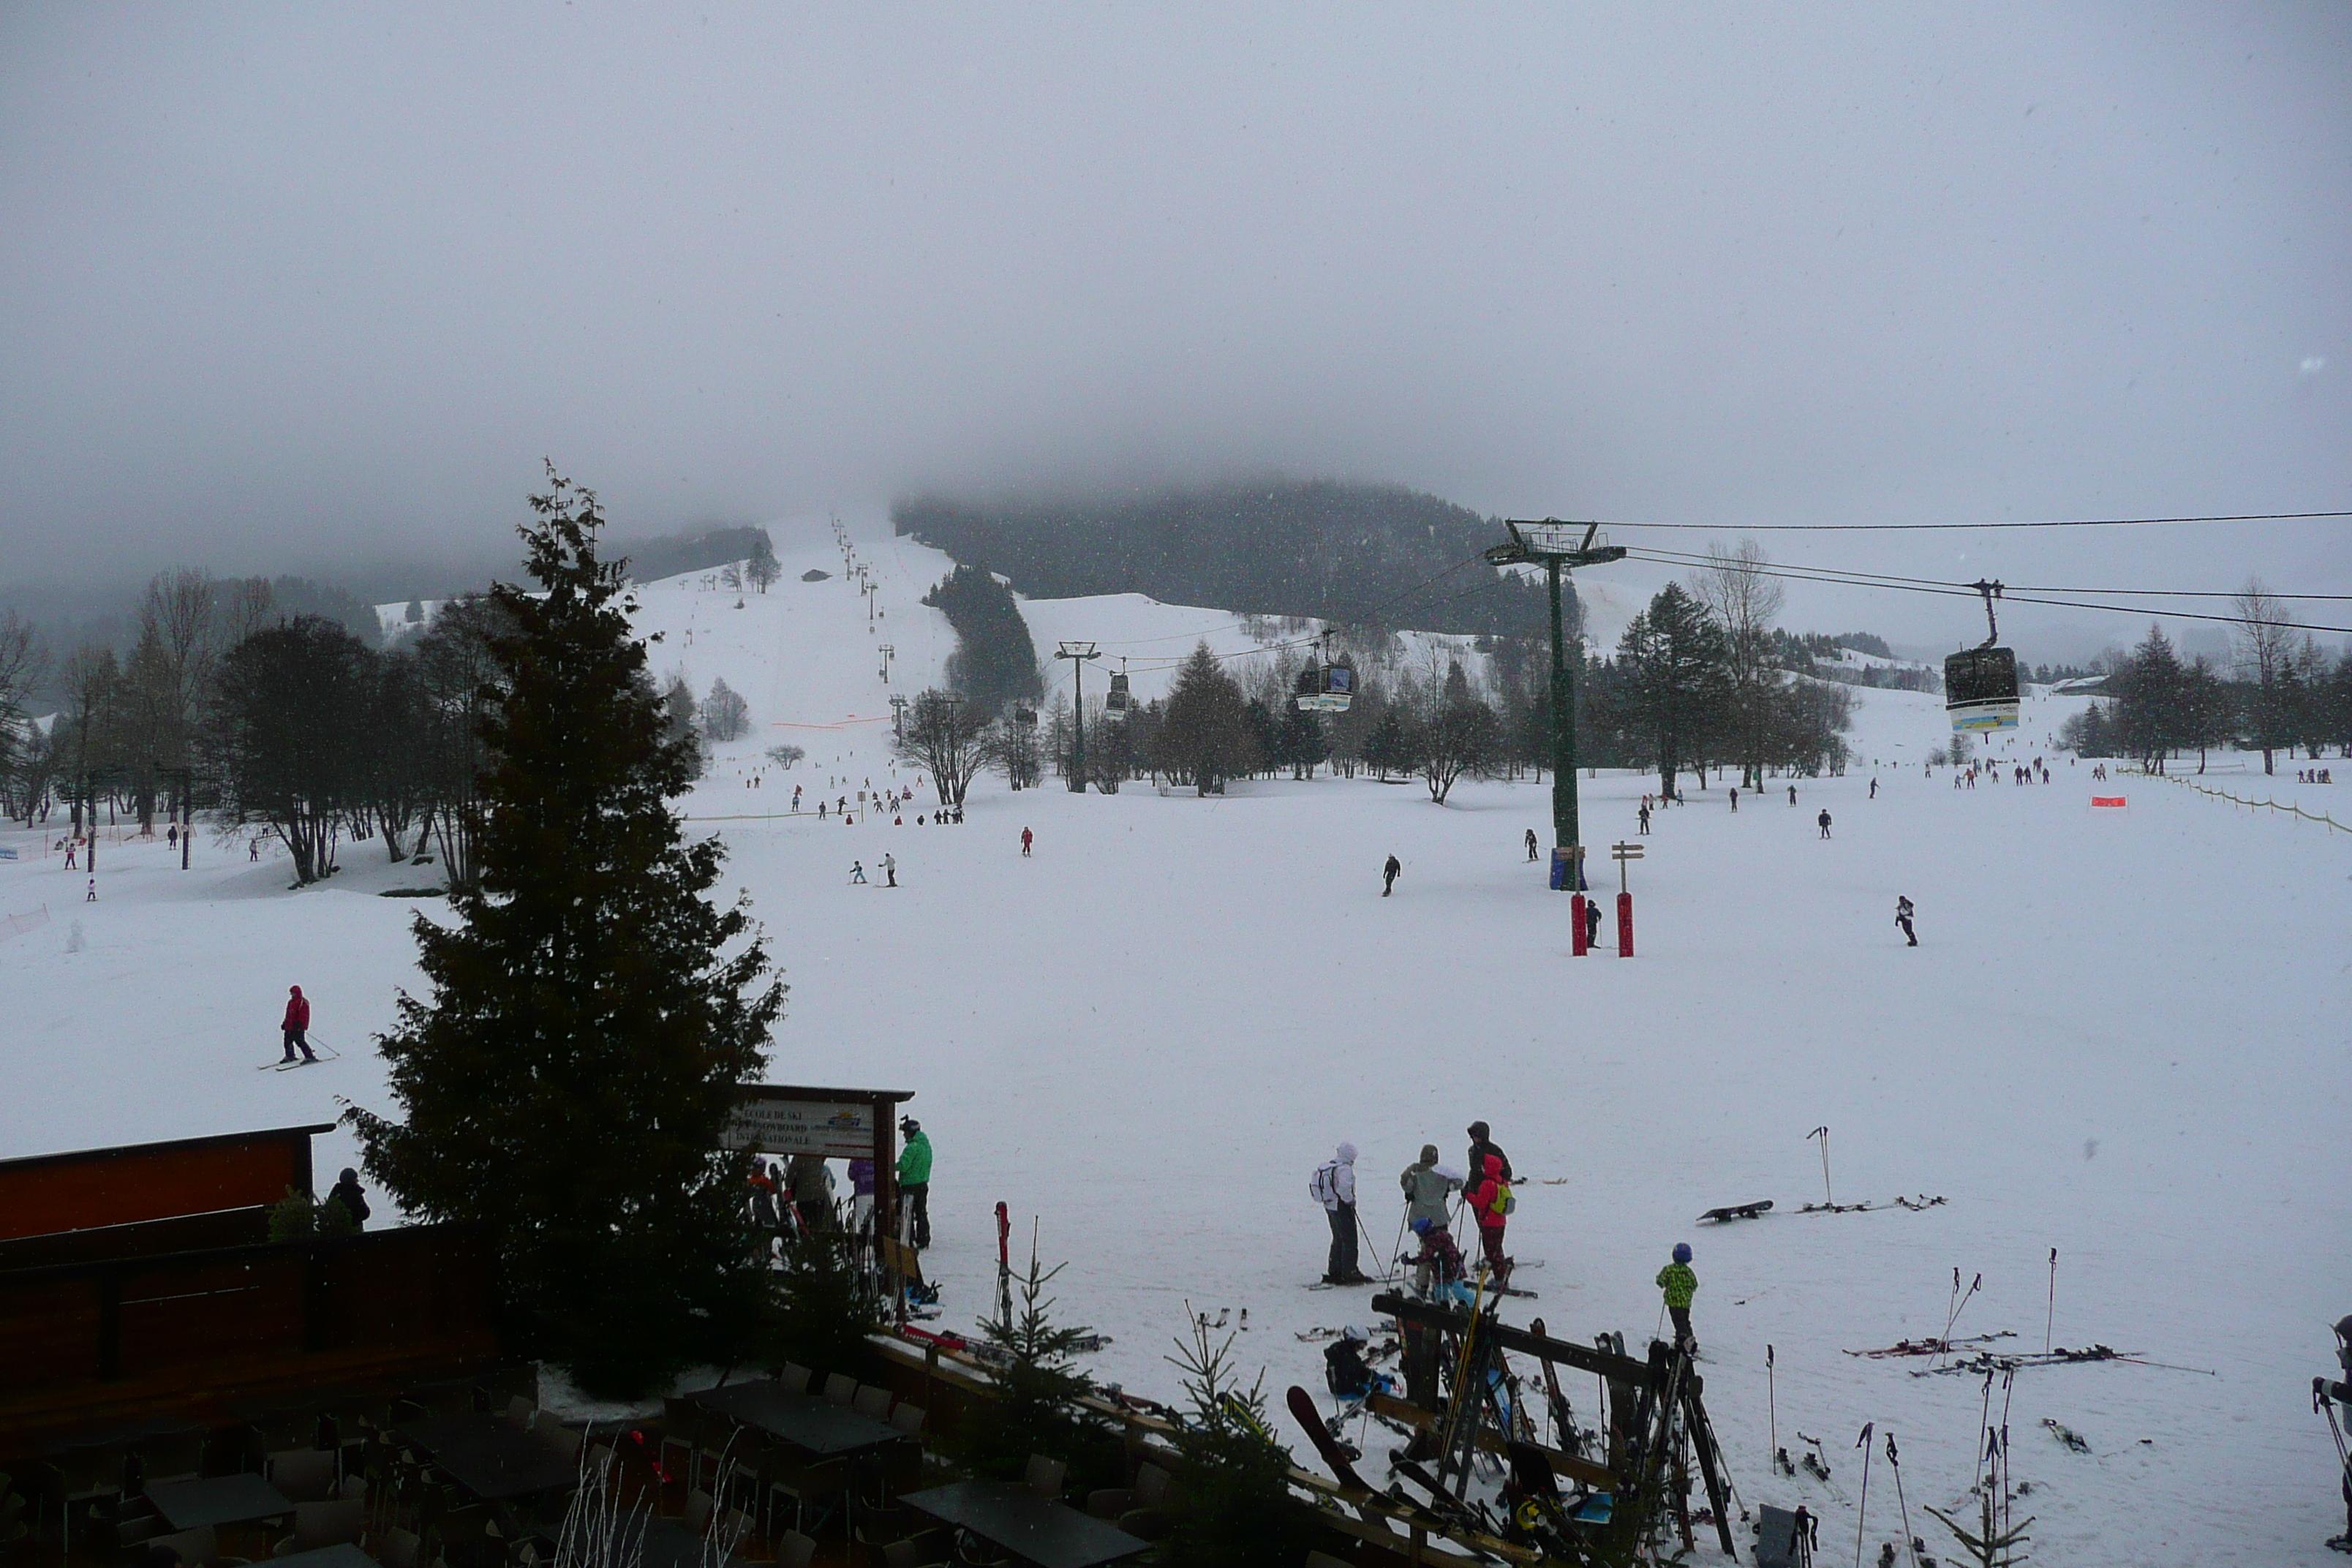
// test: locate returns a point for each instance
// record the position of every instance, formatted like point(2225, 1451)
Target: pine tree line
point(2282, 693)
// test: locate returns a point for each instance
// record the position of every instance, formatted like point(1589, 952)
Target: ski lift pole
point(1553, 545)
point(1077, 653)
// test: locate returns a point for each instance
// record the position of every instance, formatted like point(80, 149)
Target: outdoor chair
point(318, 1524)
point(739, 1533)
point(1149, 1490)
point(872, 1402)
point(699, 1509)
point(840, 1388)
point(304, 1475)
point(794, 1550)
point(682, 1430)
point(520, 1412)
point(805, 1484)
point(910, 1554)
point(1044, 1477)
point(794, 1378)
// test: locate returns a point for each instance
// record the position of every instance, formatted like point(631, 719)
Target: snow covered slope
point(2121, 1036)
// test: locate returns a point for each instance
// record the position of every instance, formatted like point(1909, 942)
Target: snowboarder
point(1389, 874)
point(1491, 1201)
point(1531, 846)
point(1824, 820)
point(1680, 1284)
point(915, 1182)
point(1027, 838)
point(1345, 1370)
point(857, 873)
point(1482, 1145)
point(347, 1193)
point(1903, 919)
point(297, 1023)
point(890, 869)
point(1333, 1185)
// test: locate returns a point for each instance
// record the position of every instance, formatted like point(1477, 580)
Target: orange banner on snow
point(2108, 800)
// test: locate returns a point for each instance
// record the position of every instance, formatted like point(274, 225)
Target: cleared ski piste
point(2122, 1035)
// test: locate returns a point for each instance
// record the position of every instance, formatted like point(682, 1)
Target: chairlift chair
point(1981, 683)
point(1326, 685)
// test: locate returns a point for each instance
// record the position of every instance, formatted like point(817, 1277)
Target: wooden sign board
point(838, 1130)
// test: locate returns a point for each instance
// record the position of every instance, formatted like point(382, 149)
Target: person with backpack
point(1333, 1185)
point(1491, 1203)
point(1428, 1187)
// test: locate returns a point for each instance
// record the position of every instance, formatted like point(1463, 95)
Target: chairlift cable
point(1949, 527)
point(1667, 557)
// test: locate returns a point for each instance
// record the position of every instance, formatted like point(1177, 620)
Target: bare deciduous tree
point(1745, 603)
point(2265, 654)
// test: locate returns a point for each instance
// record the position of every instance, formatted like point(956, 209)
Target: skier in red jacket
point(1489, 1201)
point(297, 1023)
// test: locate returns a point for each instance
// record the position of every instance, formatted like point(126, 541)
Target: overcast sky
point(292, 287)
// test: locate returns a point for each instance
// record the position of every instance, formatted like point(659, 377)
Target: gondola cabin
point(1325, 688)
point(1980, 689)
point(1119, 703)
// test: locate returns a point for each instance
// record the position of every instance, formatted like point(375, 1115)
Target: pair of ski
point(1445, 1515)
point(326, 1054)
point(1516, 1266)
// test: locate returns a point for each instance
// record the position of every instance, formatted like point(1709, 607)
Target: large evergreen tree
point(1672, 656)
point(591, 1013)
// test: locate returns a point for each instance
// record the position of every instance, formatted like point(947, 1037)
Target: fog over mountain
point(304, 289)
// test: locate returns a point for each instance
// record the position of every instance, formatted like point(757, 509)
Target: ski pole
point(1829, 1198)
point(1369, 1246)
point(2047, 1322)
point(1910, 1541)
point(1862, 1510)
point(1771, 1409)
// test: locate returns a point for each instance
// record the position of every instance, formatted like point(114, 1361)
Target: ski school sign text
point(837, 1123)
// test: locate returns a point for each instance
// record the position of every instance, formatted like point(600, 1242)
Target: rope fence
point(2330, 823)
point(15, 926)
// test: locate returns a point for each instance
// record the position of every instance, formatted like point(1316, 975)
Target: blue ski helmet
point(1682, 1252)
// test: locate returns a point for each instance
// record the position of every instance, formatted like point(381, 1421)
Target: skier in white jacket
point(1334, 1186)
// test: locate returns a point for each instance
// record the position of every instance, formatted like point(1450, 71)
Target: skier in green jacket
point(1680, 1284)
point(915, 1182)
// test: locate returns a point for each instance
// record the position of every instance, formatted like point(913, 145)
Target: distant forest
point(1356, 553)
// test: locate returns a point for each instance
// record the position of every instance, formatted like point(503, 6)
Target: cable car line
point(1866, 580)
point(1946, 527)
point(1661, 557)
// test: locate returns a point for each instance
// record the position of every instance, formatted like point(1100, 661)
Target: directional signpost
point(1622, 853)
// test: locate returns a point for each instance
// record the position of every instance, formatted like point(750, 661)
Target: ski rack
point(1665, 1397)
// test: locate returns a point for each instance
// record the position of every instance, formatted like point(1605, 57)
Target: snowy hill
point(1149, 1034)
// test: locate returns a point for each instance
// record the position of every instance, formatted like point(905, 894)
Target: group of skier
point(1431, 1191)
